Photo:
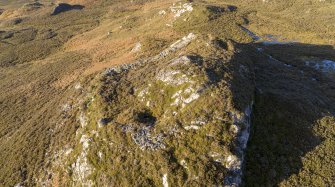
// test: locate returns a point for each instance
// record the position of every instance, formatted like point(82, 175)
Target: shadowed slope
point(293, 107)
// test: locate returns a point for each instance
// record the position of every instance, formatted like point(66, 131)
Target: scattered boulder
point(63, 7)
point(147, 141)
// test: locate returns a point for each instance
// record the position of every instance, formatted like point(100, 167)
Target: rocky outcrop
point(181, 116)
point(181, 107)
point(175, 111)
point(180, 8)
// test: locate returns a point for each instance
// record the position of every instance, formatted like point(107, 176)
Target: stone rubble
point(146, 141)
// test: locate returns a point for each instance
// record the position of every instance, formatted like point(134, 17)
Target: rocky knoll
point(169, 119)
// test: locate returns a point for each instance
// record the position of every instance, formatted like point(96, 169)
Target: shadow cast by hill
point(290, 98)
point(63, 7)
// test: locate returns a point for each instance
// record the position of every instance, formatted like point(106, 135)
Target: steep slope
point(293, 123)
